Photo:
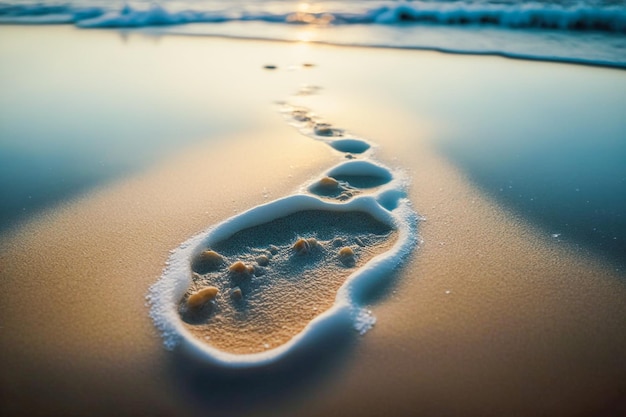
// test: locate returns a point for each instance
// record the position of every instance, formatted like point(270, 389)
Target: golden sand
point(91, 333)
point(486, 298)
point(490, 317)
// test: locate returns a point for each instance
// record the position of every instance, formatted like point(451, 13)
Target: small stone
point(241, 269)
point(201, 296)
point(302, 247)
point(313, 243)
point(337, 242)
point(263, 260)
point(328, 183)
point(238, 267)
point(207, 261)
point(269, 67)
point(346, 256)
point(236, 294)
point(346, 251)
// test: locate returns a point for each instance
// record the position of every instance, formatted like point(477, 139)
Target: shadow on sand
point(230, 391)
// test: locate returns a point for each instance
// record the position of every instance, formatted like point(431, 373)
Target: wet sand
point(74, 282)
point(489, 317)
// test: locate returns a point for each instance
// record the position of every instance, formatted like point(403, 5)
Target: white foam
point(537, 15)
point(364, 321)
point(593, 16)
point(581, 31)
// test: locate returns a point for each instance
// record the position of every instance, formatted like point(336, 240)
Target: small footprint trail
point(264, 283)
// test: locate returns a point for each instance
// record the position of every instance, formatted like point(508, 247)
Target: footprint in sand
point(265, 282)
point(350, 179)
point(277, 276)
point(309, 124)
point(354, 146)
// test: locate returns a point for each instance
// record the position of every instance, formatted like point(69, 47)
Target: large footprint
point(266, 282)
point(273, 278)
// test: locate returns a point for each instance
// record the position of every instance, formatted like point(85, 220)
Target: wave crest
point(516, 16)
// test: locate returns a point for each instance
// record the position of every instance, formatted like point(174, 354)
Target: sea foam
point(588, 32)
point(578, 16)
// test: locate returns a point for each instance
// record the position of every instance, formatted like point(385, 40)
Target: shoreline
point(521, 57)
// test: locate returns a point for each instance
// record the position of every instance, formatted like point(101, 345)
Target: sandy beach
point(491, 315)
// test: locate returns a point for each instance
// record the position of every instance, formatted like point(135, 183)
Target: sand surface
point(490, 316)
point(280, 298)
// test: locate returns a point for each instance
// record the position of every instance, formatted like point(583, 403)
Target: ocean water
point(585, 31)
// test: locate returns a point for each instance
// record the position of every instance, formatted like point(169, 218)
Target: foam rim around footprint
point(361, 168)
point(166, 293)
point(361, 174)
point(386, 202)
